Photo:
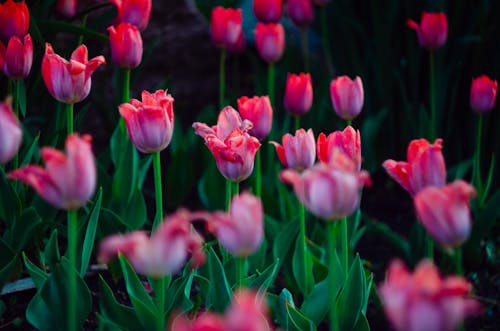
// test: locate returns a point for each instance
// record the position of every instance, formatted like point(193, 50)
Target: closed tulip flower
point(257, 110)
point(298, 94)
point(225, 28)
point(68, 180)
point(239, 46)
point(69, 81)
point(432, 31)
point(126, 45)
point(347, 96)
point(297, 152)
point(135, 12)
point(301, 12)
point(347, 141)
point(11, 133)
point(66, 8)
point(150, 122)
point(270, 41)
point(483, 94)
point(17, 58)
point(14, 20)
point(268, 11)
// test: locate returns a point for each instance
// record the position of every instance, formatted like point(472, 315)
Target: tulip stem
point(125, 94)
point(236, 188)
point(69, 117)
point(258, 175)
point(331, 235)
point(458, 261)
point(429, 246)
point(476, 169)
point(308, 281)
point(158, 189)
point(349, 122)
point(270, 83)
point(229, 185)
point(222, 77)
point(159, 290)
point(305, 48)
point(297, 122)
point(17, 83)
point(345, 247)
point(326, 41)
point(84, 23)
point(240, 273)
point(72, 239)
point(432, 94)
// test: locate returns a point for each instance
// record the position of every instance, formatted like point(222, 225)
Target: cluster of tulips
point(329, 189)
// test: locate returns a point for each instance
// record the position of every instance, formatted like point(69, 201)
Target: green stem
point(84, 23)
point(72, 239)
point(297, 122)
point(258, 175)
point(303, 246)
point(159, 290)
point(458, 261)
point(326, 40)
point(345, 246)
point(240, 273)
point(349, 122)
point(270, 82)
point(17, 83)
point(432, 94)
point(158, 189)
point(125, 94)
point(429, 246)
point(305, 48)
point(222, 77)
point(236, 188)
point(229, 185)
point(332, 284)
point(476, 170)
point(69, 117)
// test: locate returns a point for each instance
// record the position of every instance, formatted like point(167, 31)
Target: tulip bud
point(11, 133)
point(14, 20)
point(347, 141)
point(298, 152)
point(301, 12)
point(257, 110)
point(268, 11)
point(135, 12)
point(432, 31)
point(66, 8)
point(298, 94)
point(347, 96)
point(17, 58)
point(225, 28)
point(270, 41)
point(483, 94)
point(126, 45)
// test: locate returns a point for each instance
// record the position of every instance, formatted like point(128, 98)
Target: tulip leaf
point(88, 242)
point(351, 299)
point(51, 253)
point(266, 278)
point(136, 211)
point(10, 205)
point(28, 156)
point(178, 293)
point(7, 261)
point(221, 294)
point(289, 317)
point(38, 275)
point(302, 273)
point(282, 242)
point(362, 324)
point(23, 229)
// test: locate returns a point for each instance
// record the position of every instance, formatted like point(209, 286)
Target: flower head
point(432, 31)
point(257, 110)
point(126, 45)
point(11, 133)
point(298, 94)
point(135, 12)
point(17, 58)
point(483, 94)
point(14, 20)
point(348, 141)
point(297, 152)
point(347, 96)
point(270, 41)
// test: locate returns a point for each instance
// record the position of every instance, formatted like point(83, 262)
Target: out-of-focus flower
point(225, 28)
point(135, 12)
point(424, 300)
point(17, 58)
point(297, 152)
point(69, 81)
point(301, 12)
point(66, 8)
point(432, 31)
point(347, 141)
point(268, 11)
point(248, 312)
point(14, 20)
point(206, 321)
point(483, 94)
point(298, 94)
point(68, 180)
point(425, 166)
point(126, 45)
point(347, 96)
point(11, 133)
point(270, 41)
point(239, 46)
point(257, 110)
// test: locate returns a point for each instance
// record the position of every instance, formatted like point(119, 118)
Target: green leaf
point(28, 156)
point(134, 285)
point(51, 253)
point(282, 242)
point(22, 97)
point(209, 188)
point(10, 205)
point(136, 213)
point(289, 317)
point(58, 26)
point(144, 165)
point(8, 260)
point(303, 274)
point(362, 324)
point(24, 228)
point(351, 299)
point(38, 275)
point(126, 160)
point(221, 294)
point(266, 278)
point(88, 242)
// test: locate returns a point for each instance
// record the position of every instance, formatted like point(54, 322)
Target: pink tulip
point(11, 133)
point(150, 122)
point(301, 12)
point(298, 94)
point(432, 31)
point(207, 321)
point(231, 145)
point(248, 312)
point(347, 141)
point(424, 300)
point(68, 180)
point(66, 8)
point(483, 94)
point(347, 96)
point(16, 59)
point(135, 12)
point(270, 41)
point(126, 45)
point(14, 20)
point(225, 28)
point(164, 253)
point(257, 110)
point(445, 212)
point(69, 81)
point(425, 166)
point(297, 152)
point(268, 11)
point(239, 46)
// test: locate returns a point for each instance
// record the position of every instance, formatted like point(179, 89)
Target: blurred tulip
point(66, 8)
point(347, 96)
point(135, 12)
point(432, 31)
point(68, 180)
point(17, 58)
point(126, 45)
point(424, 300)
point(301, 12)
point(69, 81)
point(445, 212)
point(347, 141)
point(483, 94)
point(248, 312)
point(231, 145)
point(268, 11)
point(150, 122)
point(298, 152)
point(11, 133)
point(298, 94)
point(14, 20)
point(425, 166)
point(239, 46)
point(257, 110)
point(206, 321)
point(226, 27)
point(270, 41)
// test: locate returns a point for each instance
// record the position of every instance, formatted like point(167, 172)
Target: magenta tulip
point(268, 11)
point(347, 141)
point(17, 58)
point(126, 45)
point(347, 96)
point(257, 110)
point(432, 31)
point(483, 94)
point(11, 133)
point(270, 41)
point(135, 12)
point(298, 94)
point(297, 152)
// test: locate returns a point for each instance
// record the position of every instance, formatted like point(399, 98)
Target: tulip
point(347, 96)
point(207, 321)
point(14, 20)
point(69, 81)
point(225, 28)
point(347, 141)
point(297, 152)
point(270, 41)
point(483, 94)
point(135, 12)
point(298, 94)
point(445, 212)
point(268, 11)
point(66, 8)
point(126, 45)
point(150, 122)
point(16, 59)
point(425, 166)
point(11, 133)
point(301, 12)
point(424, 300)
point(257, 110)
point(239, 46)
point(231, 145)
point(432, 31)
point(68, 180)
point(248, 312)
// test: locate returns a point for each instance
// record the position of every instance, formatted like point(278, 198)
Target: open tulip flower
point(16, 59)
point(135, 12)
point(126, 45)
point(297, 152)
point(348, 141)
point(432, 31)
point(11, 133)
point(14, 20)
point(347, 96)
point(225, 28)
point(257, 110)
point(483, 94)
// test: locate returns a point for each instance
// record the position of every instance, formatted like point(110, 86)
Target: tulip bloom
point(231, 145)
point(164, 253)
point(69, 81)
point(66, 8)
point(425, 166)
point(17, 58)
point(225, 27)
point(270, 41)
point(68, 180)
point(14, 20)
point(445, 212)
point(483, 94)
point(248, 312)
point(257, 110)
point(135, 12)
point(239, 46)
point(298, 94)
point(150, 122)
point(347, 141)
point(126, 45)
point(207, 321)
point(432, 31)
point(347, 96)
point(301, 12)
point(11, 133)
point(268, 11)
point(297, 152)
point(424, 300)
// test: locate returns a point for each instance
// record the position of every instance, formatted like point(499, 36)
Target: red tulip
point(239, 46)
point(425, 166)
point(270, 41)
point(298, 94)
point(347, 141)
point(66, 8)
point(483, 94)
point(424, 300)
point(69, 81)
point(301, 12)
point(257, 110)
point(126, 45)
point(14, 20)
point(206, 321)
point(16, 59)
point(11, 133)
point(268, 10)
point(432, 31)
point(68, 180)
point(150, 122)
point(347, 96)
point(226, 27)
point(298, 152)
point(135, 12)
point(248, 312)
